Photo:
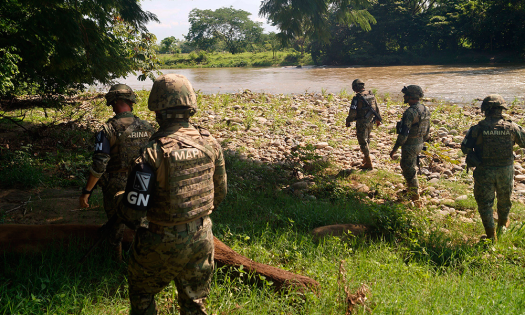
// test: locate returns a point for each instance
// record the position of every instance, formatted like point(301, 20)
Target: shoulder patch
point(102, 143)
point(139, 187)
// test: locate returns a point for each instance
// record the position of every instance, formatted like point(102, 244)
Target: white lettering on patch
point(139, 134)
point(135, 198)
point(98, 146)
point(496, 132)
point(187, 154)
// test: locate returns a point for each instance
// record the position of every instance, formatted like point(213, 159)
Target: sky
point(173, 14)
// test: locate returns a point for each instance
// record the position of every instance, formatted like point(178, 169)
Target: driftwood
point(21, 238)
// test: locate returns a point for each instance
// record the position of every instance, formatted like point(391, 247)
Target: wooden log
point(21, 238)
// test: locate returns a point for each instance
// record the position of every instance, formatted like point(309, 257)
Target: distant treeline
point(367, 32)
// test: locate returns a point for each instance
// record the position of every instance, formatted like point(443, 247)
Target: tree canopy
point(229, 25)
point(53, 46)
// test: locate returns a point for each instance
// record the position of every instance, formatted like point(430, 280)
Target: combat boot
point(367, 165)
point(502, 227)
point(491, 235)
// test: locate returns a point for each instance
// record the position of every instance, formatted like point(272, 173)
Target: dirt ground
point(49, 206)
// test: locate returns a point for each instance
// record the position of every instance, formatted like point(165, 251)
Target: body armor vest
point(130, 138)
point(421, 125)
point(496, 144)
point(190, 192)
point(363, 109)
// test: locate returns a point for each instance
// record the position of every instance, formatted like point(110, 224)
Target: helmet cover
point(170, 91)
point(413, 91)
point(120, 91)
point(493, 101)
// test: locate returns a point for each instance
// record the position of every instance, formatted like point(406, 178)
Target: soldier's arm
point(518, 135)
point(467, 145)
point(135, 201)
point(219, 178)
point(352, 112)
point(101, 155)
point(406, 123)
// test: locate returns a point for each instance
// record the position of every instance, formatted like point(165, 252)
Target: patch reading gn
point(141, 181)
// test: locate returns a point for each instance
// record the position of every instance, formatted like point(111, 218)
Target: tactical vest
point(130, 138)
point(420, 126)
point(363, 111)
point(496, 144)
point(189, 195)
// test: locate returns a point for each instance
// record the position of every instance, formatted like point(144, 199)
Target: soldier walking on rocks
point(177, 181)
point(489, 148)
point(364, 111)
point(117, 144)
point(413, 130)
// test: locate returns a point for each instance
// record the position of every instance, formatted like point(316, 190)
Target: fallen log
point(21, 238)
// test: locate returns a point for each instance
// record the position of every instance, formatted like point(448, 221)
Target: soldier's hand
point(392, 153)
point(83, 201)
point(378, 123)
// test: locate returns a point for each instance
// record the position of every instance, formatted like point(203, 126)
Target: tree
point(169, 45)
point(59, 45)
point(311, 18)
point(232, 26)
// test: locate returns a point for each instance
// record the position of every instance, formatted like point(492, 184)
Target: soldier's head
point(412, 94)
point(358, 85)
point(172, 98)
point(493, 105)
point(121, 97)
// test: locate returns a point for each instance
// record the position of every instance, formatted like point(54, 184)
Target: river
point(452, 83)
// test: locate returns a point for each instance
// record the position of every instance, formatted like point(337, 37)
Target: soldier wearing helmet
point(489, 148)
point(117, 144)
point(176, 182)
point(364, 111)
point(413, 130)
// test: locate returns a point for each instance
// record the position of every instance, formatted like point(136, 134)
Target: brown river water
point(460, 84)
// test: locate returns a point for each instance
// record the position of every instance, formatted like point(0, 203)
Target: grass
point(411, 261)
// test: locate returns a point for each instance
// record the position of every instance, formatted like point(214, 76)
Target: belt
point(192, 226)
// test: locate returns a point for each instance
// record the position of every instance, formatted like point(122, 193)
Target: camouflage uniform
point(414, 129)
point(490, 143)
point(116, 146)
point(363, 117)
point(177, 181)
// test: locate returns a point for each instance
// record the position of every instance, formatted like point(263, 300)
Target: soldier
point(177, 181)
point(116, 146)
point(489, 148)
point(364, 111)
point(413, 130)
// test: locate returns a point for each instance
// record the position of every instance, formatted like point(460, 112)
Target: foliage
point(62, 45)
point(311, 19)
point(169, 45)
point(231, 26)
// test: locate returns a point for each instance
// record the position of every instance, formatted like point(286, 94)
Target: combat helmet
point(120, 91)
point(493, 101)
point(173, 95)
point(413, 91)
point(357, 84)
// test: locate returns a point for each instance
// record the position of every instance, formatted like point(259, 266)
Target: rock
point(446, 201)
point(321, 145)
point(453, 132)
point(234, 120)
point(462, 197)
point(447, 172)
point(466, 220)
point(520, 178)
point(435, 175)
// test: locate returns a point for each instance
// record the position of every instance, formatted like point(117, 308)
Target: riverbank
point(292, 167)
point(203, 59)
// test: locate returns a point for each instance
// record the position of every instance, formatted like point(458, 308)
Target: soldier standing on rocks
point(116, 146)
point(489, 148)
point(413, 130)
point(364, 111)
point(177, 181)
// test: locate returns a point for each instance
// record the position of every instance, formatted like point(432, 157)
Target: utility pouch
point(398, 127)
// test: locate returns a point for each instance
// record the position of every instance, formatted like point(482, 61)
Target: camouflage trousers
point(185, 257)
point(363, 128)
point(409, 154)
point(111, 184)
point(490, 182)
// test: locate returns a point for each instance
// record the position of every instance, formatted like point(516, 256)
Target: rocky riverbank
point(269, 128)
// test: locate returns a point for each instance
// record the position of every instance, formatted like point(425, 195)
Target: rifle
point(376, 115)
point(104, 232)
